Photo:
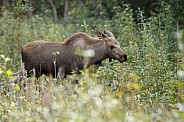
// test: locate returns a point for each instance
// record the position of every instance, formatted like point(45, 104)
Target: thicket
point(148, 87)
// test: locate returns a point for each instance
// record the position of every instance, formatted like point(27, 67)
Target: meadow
point(148, 87)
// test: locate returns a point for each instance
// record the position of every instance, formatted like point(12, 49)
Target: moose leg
point(61, 73)
point(75, 69)
point(97, 66)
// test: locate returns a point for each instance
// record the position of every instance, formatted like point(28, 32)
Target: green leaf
point(16, 87)
point(8, 72)
point(55, 53)
point(38, 101)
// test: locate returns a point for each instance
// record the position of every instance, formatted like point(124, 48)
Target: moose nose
point(125, 57)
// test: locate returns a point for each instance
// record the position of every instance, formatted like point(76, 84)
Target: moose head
point(113, 49)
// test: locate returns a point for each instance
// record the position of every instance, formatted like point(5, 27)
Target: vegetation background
point(148, 87)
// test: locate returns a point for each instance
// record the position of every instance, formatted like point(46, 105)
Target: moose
point(60, 59)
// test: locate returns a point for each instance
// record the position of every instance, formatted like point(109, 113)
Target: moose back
point(61, 58)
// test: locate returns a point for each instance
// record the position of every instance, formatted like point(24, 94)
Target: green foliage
point(148, 87)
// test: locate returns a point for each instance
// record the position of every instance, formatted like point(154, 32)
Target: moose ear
point(100, 34)
point(108, 33)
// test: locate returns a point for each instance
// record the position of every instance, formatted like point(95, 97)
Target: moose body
point(63, 58)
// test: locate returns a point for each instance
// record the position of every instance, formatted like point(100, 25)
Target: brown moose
point(63, 58)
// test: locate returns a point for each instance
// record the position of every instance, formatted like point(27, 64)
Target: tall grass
point(146, 88)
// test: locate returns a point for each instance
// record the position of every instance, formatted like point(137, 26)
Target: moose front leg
point(75, 72)
point(97, 66)
point(61, 73)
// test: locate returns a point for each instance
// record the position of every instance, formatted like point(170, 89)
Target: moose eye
point(112, 47)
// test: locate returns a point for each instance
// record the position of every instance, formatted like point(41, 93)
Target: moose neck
point(100, 53)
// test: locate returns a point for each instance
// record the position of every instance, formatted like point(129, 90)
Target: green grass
point(148, 87)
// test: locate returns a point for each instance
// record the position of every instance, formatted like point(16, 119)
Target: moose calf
point(62, 58)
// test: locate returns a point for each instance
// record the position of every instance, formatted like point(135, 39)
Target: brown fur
point(39, 54)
